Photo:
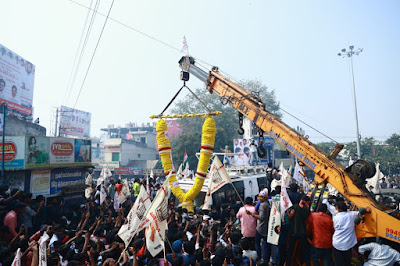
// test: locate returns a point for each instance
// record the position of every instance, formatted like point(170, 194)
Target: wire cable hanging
point(77, 51)
point(94, 53)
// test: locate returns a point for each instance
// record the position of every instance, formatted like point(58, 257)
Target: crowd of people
point(232, 234)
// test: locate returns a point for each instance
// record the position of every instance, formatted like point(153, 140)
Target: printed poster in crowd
point(274, 224)
point(125, 192)
point(42, 249)
point(158, 216)
point(285, 201)
point(14, 152)
point(136, 217)
point(37, 151)
point(251, 188)
point(103, 194)
point(40, 182)
point(66, 178)
point(17, 258)
point(83, 151)
point(17, 78)
point(74, 122)
point(116, 201)
point(61, 150)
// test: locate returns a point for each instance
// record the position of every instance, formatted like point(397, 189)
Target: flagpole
point(238, 195)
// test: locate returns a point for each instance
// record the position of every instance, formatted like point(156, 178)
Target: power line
point(77, 52)
point(130, 27)
point(94, 53)
point(174, 48)
point(88, 32)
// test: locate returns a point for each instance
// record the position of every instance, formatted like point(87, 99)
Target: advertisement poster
point(17, 77)
point(74, 122)
point(83, 150)
point(242, 146)
point(13, 152)
point(66, 178)
point(61, 150)
point(16, 179)
point(37, 151)
point(251, 188)
point(40, 182)
point(123, 171)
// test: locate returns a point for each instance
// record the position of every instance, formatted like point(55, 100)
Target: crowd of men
point(231, 234)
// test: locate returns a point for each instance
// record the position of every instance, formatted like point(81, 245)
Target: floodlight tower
point(349, 55)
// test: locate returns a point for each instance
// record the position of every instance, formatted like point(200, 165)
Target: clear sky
point(291, 46)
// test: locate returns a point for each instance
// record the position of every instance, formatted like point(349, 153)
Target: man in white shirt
point(378, 255)
point(344, 238)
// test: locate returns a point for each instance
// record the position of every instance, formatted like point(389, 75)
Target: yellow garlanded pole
point(206, 151)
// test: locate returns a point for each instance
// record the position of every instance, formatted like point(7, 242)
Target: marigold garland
point(207, 147)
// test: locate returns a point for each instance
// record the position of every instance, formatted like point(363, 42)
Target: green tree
point(226, 123)
point(386, 153)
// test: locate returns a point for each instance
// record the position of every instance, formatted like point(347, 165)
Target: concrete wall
point(16, 127)
point(131, 152)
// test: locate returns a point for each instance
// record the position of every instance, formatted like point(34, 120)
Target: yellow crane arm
point(376, 222)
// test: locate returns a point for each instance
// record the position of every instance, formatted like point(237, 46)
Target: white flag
point(42, 249)
point(103, 194)
point(285, 200)
point(17, 258)
point(158, 216)
point(373, 182)
point(136, 217)
point(125, 192)
point(89, 180)
point(147, 185)
point(274, 224)
point(179, 173)
point(88, 192)
point(108, 173)
point(100, 180)
point(307, 186)
point(116, 201)
point(218, 175)
point(207, 201)
point(186, 171)
point(185, 47)
point(297, 175)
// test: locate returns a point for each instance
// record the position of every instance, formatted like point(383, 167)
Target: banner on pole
point(157, 215)
point(136, 217)
point(218, 175)
point(274, 224)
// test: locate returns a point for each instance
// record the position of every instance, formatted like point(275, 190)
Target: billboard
point(13, 152)
point(37, 151)
point(17, 77)
point(74, 122)
point(40, 182)
point(243, 146)
point(128, 171)
point(83, 150)
point(62, 150)
point(66, 178)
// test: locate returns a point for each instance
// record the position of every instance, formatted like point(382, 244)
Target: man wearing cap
point(262, 226)
point(177, 249)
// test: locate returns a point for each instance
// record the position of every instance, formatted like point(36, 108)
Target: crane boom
point(350, 182)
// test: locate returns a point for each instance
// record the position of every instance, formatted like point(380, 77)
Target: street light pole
point(349, 54)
